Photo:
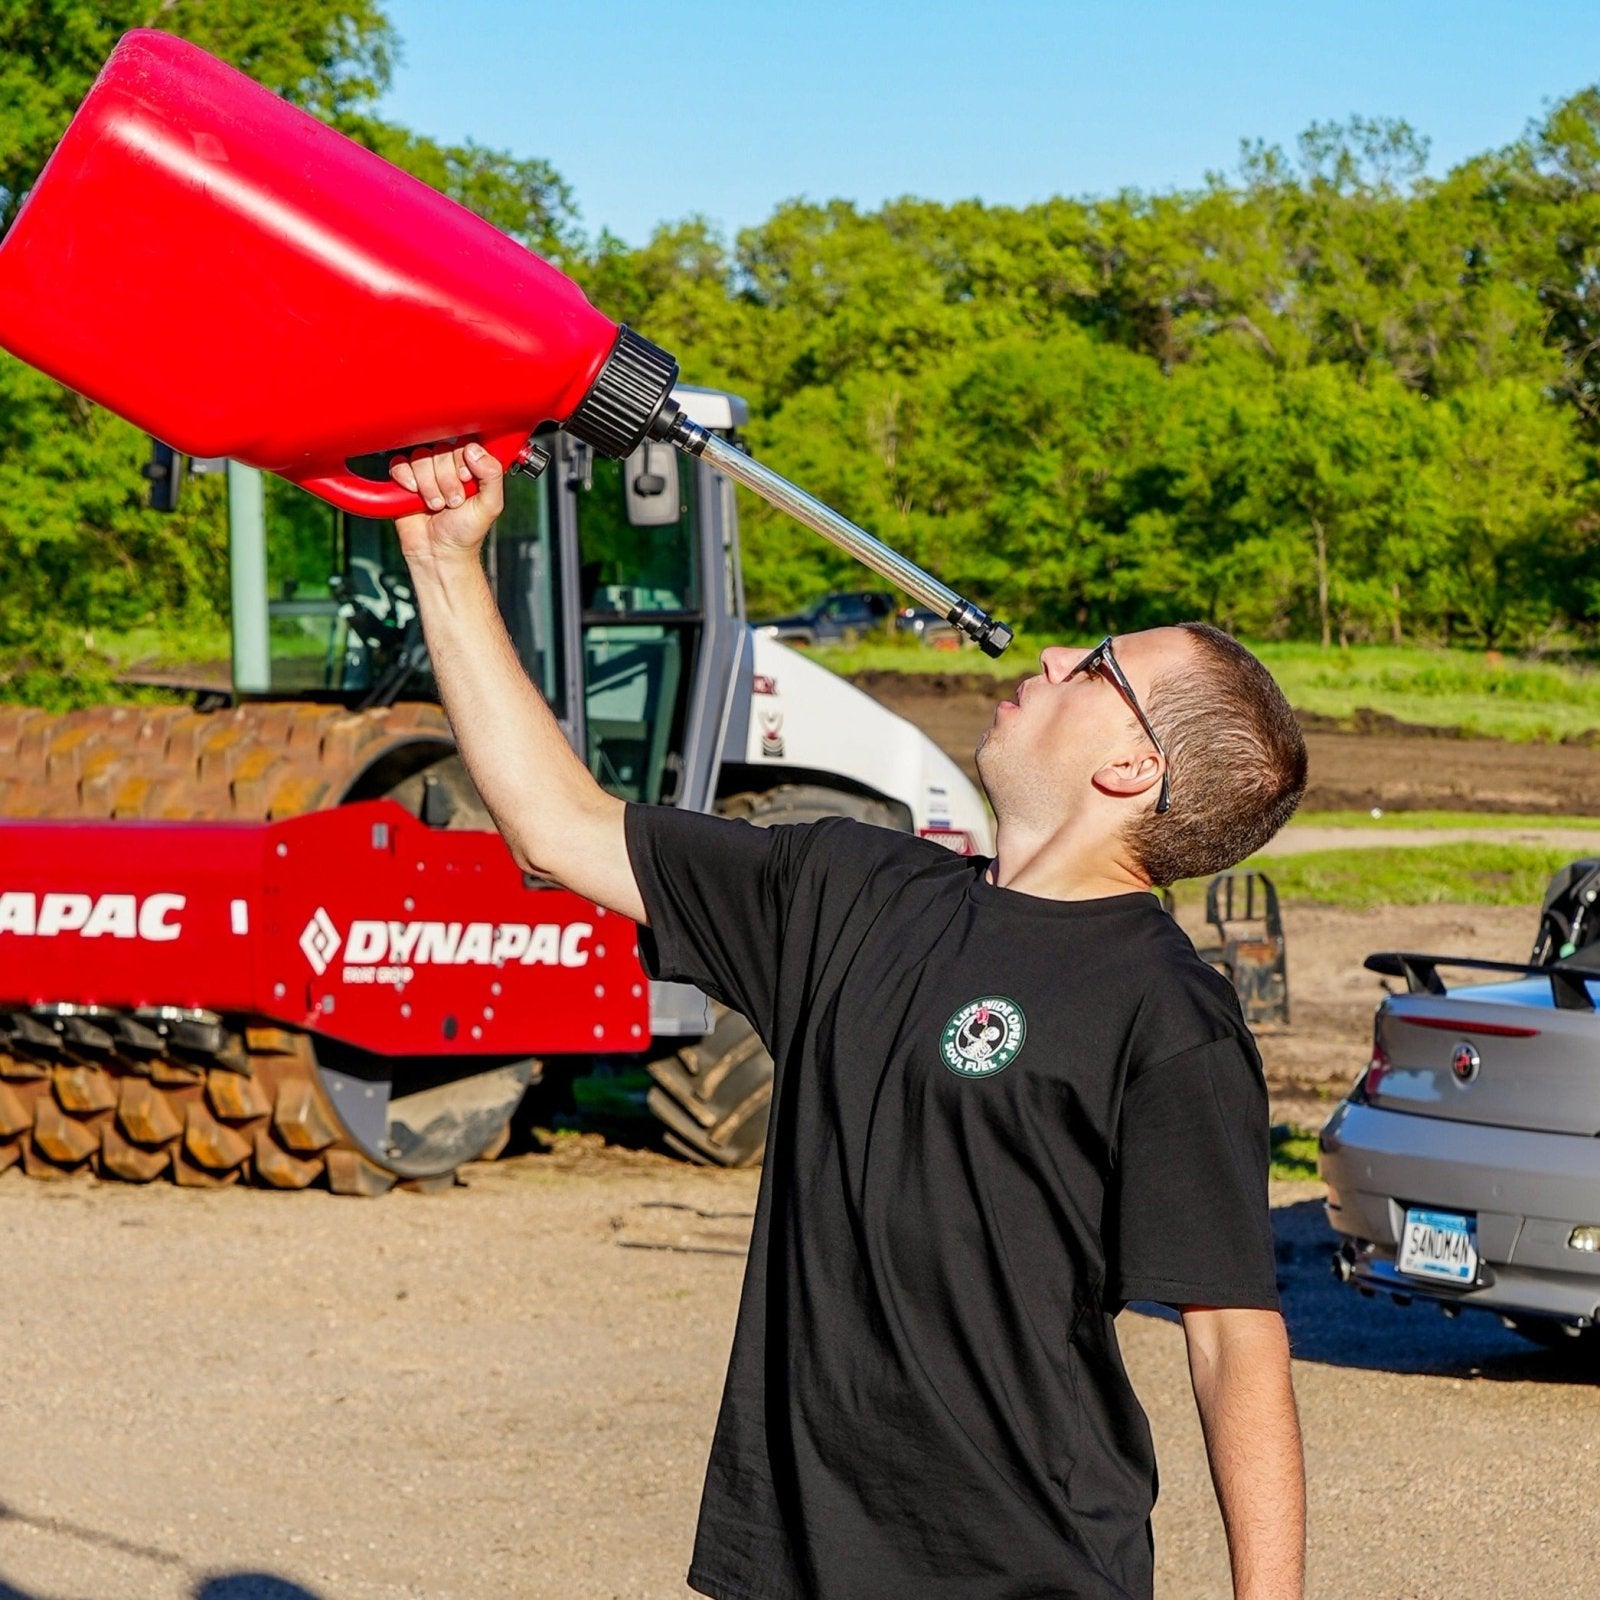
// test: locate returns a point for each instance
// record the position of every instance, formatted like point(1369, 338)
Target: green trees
point(80, 556)
point(1325, 397)
point(1328, 399)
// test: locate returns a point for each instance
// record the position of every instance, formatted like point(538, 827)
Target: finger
point(486, 468)
point(427, 481)
point(400, 471)
point(491, 479)
point(444, 469)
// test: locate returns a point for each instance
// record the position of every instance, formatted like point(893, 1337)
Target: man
point(1009, 1099)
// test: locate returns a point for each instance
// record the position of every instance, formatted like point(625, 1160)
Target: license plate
point(1439, 1244)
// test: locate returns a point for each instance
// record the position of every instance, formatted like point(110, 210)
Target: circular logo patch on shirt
point(983, 1037)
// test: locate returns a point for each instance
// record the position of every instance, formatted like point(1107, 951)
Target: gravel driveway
point(509, 1390)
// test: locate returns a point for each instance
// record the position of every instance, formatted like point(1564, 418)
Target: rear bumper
point(1528, 1192)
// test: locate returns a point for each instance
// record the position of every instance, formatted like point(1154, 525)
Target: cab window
point(640, 586)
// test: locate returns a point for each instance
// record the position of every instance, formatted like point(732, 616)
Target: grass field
point(1411, 875)
point(159, 646)
point(1498, 697)
point(1487, 821)
point(1503, 697)
point(1477, 692)
point(1294, 1153)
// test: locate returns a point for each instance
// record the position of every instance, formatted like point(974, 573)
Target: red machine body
point(344, 308)
point(360, 924)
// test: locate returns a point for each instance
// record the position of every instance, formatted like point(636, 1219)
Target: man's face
point(1039, 755)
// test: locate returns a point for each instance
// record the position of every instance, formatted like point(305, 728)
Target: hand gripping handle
point(367, 497)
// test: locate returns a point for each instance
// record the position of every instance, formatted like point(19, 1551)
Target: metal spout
point(676, 429)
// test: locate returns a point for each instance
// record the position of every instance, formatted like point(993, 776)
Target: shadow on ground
point(204, 1586)
point(228, 1586)
point(1330, 1323)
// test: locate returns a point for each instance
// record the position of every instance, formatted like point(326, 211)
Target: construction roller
point(264, 991)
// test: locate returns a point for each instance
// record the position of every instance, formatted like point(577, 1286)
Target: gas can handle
point(363, 497)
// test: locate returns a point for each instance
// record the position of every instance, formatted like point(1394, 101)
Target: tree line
point(1324, 396)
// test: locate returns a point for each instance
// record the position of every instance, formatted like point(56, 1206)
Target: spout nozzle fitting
point(992, 636)
point(996, 638)
point(672, 425)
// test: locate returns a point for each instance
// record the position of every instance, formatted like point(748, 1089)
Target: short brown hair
point(1236, 762)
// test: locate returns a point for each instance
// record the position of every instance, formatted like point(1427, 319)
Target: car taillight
point(1498, 1030)
point(957, 839)
point(1372, 1078)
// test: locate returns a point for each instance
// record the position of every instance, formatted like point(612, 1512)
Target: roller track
point(196, 1099)
point(143, 1096)
point(255, 763)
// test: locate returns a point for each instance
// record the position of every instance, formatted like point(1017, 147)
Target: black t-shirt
point(996, 1119)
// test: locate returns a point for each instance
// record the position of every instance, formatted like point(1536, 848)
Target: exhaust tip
point(1343, 1262)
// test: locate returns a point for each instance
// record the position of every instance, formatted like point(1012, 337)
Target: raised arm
point(557, 820)
point(1239, 1365)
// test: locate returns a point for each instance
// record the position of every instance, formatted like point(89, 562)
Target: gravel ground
point(509, 1390)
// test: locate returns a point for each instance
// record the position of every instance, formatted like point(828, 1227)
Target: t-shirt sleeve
point(716, 892)
point(1191, 1224)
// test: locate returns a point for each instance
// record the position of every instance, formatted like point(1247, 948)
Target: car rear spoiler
point(1569, 983)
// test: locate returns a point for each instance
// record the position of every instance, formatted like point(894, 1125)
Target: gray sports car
point(1464, 1166)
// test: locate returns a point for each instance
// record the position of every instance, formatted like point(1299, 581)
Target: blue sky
point(653, 112)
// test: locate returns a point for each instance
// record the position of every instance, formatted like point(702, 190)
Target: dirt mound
point(1377, 761)
point(1367, 719)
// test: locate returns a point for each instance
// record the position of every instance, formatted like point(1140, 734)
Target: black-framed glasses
point(1100, 661)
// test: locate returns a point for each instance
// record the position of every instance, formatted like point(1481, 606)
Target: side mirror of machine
point(164, 470)
point(650, 487)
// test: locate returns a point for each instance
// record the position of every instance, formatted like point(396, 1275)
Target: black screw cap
point(626, 396)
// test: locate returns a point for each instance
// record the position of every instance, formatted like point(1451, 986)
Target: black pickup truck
point(834, 619)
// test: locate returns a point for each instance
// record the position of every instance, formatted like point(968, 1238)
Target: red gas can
point(240, 280)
